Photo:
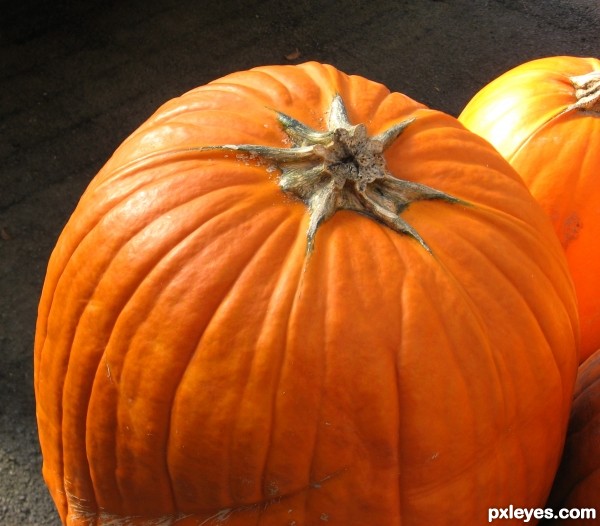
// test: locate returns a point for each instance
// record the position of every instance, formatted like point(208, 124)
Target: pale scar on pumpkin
point(342, 168)
point(274, 498)
point(84, 510)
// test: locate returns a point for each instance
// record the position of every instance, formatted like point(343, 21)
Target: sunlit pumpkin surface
point(196, 364)
point(550, 133)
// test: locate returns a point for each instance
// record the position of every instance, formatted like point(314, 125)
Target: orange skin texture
point(193, 366)
point(558, 157)
point(577, 483)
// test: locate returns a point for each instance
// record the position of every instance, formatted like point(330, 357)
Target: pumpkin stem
point(587, 91)
point(342, 168)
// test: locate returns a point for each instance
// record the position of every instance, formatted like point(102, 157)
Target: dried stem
point(587, 91)
point(342, 168)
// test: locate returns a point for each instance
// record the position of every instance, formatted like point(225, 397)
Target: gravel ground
point(78, 77)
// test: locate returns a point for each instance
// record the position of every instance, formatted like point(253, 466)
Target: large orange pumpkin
point(577, 486)
point(292, 297)
point(544, 117)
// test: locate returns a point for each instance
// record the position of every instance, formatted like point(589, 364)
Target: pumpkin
point(292, 297)
point(544, 118)
point(577, 484)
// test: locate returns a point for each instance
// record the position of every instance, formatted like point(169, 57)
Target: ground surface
point(77, 78)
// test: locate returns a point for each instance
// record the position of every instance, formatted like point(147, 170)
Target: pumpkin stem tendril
point(587, 91)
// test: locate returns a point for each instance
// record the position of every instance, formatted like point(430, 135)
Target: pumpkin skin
point(524, 114)
point(577, 483)
point(194, 365)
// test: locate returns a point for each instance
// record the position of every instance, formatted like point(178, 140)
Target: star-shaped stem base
point(343, 168)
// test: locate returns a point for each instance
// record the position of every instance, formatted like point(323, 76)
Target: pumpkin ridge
point(167, 253)
point(325, 292)
point(282, 282)
point(348, 251)
point(160, 185)
point(378, 106)
point(218, 311)
point(241, 91)
point(142, 228)
point(471, 304)
point(506, 278)
point(247, 131)
point(309, 78)
point(169, 419)
point(295, 291)
point(459, 384)
point(400, 496)
point(102, 361)
point(505, 390)
point(271, 89)
point(255, 255)
point(476, 247)
point(73, 335)
point(430, 485)
point(550, 121)
point(295, 303)
point(147, 163)
point(528, 234)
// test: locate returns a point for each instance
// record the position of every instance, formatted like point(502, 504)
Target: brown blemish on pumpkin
point(571, 226)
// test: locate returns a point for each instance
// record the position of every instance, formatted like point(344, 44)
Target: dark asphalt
point(77, 77)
